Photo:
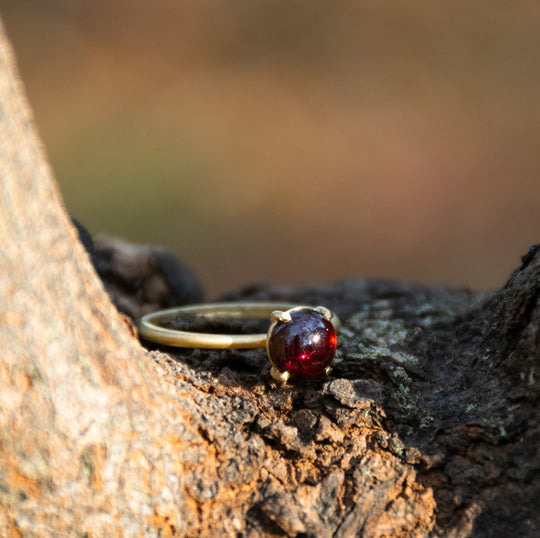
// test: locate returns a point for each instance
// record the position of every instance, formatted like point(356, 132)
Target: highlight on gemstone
point(304, 346)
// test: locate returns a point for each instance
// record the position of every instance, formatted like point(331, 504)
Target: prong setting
point(325, 312)
point(278, 315)
point(281, 377)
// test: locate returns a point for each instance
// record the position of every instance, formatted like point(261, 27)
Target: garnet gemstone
point(304, 346)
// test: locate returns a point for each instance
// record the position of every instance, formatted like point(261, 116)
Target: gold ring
point(301, 340)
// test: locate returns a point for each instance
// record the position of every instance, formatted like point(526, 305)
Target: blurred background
point(295, 142)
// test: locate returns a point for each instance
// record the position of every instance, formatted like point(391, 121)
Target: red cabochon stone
point(304, 346)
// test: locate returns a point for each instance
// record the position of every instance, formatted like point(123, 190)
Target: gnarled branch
point(428, 424)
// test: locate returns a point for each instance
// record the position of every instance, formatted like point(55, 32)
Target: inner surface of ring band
point(151, 329)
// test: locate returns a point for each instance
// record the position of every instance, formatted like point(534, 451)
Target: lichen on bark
point(428, 424)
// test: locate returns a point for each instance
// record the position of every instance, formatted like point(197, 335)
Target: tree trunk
point(428, 424)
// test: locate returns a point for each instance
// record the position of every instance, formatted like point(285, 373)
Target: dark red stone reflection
point(304, 346)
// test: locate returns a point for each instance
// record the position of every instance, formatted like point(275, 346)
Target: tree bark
point(427, 426)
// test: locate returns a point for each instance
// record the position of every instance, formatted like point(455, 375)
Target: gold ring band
point(151, 327)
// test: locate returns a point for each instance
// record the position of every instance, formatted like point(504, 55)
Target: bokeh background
point(295, 142)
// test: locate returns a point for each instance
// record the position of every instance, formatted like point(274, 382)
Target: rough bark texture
point(428, 424)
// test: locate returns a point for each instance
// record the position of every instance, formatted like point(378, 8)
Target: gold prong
point(278, 315)
point(325, 312)
point(282, 377)
point(327, 370)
